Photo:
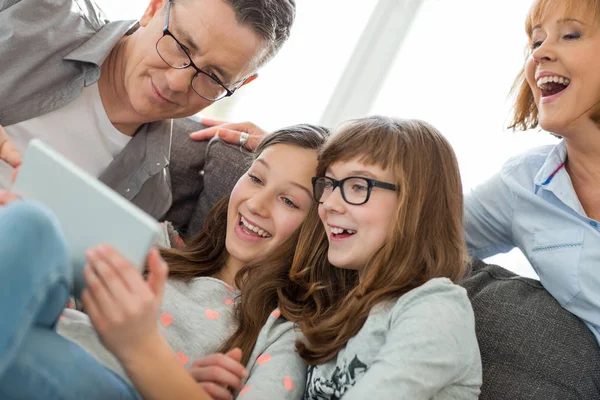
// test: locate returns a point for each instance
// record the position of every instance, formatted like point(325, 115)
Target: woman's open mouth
point(552, 85)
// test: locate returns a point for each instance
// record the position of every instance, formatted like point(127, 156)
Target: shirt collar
point(554, 178)
point(553, 165)
point(98, 47)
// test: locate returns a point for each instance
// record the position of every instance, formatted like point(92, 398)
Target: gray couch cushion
point(224, 165)
point(531, 347)
point(187, 160)
point(201, 174)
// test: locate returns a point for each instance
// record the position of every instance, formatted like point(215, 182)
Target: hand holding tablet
point(89, 212)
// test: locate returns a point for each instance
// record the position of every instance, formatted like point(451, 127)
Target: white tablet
point(89, 212)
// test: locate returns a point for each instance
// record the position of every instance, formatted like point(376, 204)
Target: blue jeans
point(35, 279)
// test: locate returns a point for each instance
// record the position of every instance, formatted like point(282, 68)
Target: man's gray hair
point(271, 20)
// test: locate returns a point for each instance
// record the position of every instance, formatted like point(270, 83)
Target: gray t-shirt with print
point(421, 347)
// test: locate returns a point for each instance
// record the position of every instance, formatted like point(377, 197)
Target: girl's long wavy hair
point(260, 281)
point(426, 240)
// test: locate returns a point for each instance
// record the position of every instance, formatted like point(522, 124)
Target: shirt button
point(594, 224)
point(201, 172)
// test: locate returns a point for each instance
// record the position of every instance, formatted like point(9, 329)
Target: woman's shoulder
point(531, 160)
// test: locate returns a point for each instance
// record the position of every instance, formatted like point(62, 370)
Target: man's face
point(217, 43)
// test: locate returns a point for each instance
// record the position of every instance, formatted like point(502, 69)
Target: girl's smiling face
point(270, 201)
point(356, 232)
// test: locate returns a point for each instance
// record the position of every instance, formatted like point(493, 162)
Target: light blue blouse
point(531, 204)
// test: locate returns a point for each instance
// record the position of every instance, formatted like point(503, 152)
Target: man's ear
point(151, 10)
point(249, 79)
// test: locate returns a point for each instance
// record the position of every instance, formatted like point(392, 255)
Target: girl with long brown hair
point(376, 266)
point(210, 303)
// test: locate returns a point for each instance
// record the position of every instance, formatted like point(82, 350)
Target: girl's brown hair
point(205, 253)
point(525, 112)
point(426, 240)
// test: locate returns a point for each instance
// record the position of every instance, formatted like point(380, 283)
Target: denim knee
point(34, 232)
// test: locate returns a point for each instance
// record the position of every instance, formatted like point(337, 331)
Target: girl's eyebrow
point(298, 185)
point(358, 172)
point(364, 173)
point(309, 192)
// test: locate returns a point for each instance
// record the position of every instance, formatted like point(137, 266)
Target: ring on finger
point(243, 138)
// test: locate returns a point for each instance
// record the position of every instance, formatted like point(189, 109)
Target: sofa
point(201, 173)
point(531, 347)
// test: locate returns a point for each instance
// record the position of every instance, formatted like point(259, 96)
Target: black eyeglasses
point(177, 56)
point(355, 190)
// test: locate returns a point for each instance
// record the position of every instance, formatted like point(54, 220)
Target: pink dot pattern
point(263, 359)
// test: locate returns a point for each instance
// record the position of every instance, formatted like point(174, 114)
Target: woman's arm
point(124, 310)
point(488, 218)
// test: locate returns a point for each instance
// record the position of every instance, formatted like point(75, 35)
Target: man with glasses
point(112, 96)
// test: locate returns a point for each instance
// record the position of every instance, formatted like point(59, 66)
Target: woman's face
point(563, 71)
point(269, 202)
point(356, 232)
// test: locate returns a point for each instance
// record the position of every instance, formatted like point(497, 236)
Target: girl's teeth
point(337, 231)
point(255, 229)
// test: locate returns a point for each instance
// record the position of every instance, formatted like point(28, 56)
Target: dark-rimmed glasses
point(356, 190)
point(177, 56)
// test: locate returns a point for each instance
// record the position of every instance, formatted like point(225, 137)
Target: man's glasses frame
point(370, 183)
point(228, 92)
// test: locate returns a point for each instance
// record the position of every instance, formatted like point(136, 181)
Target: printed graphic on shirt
point(342, 379)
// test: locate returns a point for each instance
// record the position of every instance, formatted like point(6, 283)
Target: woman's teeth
point(555, 79)
point(551, 85)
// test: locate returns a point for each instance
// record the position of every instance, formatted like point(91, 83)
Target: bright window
point(455, 70)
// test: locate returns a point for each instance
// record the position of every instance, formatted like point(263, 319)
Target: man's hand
point(230, 132)
point(8, 152)
point(7, 197)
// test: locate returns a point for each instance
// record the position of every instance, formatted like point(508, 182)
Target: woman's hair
point(205, 253)
point(426, 239)
point(525, 112)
